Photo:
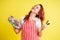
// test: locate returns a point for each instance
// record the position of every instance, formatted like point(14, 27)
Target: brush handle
point(47, 23)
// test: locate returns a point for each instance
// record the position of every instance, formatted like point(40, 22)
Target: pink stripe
point(29, 31)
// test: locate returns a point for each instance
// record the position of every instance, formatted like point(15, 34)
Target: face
point(36, 9)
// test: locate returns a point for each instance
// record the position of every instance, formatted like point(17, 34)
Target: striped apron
point(29, 30)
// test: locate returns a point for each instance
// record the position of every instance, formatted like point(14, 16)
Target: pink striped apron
point(29, 31)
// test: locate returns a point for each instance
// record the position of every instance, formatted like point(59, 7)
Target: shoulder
point(22, 19)
point(38, 22)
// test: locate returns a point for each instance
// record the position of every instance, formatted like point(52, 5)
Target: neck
point(32, 15)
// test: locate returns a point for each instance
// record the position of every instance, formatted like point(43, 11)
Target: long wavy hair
point(40, 14)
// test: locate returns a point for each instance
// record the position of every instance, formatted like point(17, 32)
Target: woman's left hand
point(47, 23)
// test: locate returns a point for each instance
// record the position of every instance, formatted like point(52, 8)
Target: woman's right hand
point(16, 30)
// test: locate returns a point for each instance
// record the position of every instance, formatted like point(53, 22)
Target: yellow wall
point(19, 8)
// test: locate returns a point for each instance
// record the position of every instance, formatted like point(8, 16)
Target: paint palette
point(15, 23)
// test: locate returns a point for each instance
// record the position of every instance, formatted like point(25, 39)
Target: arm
point(15, 23)
point(42, 28)
point(17, 30)
point(39, 32)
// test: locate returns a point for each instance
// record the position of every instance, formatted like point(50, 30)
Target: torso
point(29, 31)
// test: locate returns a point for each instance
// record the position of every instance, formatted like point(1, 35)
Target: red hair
point(40, 14)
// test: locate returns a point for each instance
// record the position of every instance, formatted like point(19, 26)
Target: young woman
point(31, 24)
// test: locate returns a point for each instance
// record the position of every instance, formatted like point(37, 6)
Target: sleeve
point(38, 23)
point(21, 20)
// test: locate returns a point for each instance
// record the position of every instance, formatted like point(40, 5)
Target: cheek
point(37, 10)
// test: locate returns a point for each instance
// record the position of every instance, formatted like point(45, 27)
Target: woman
point(31, 24)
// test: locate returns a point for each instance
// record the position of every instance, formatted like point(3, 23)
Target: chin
point(33, 11)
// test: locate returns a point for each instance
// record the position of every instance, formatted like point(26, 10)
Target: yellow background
point(18, 8)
